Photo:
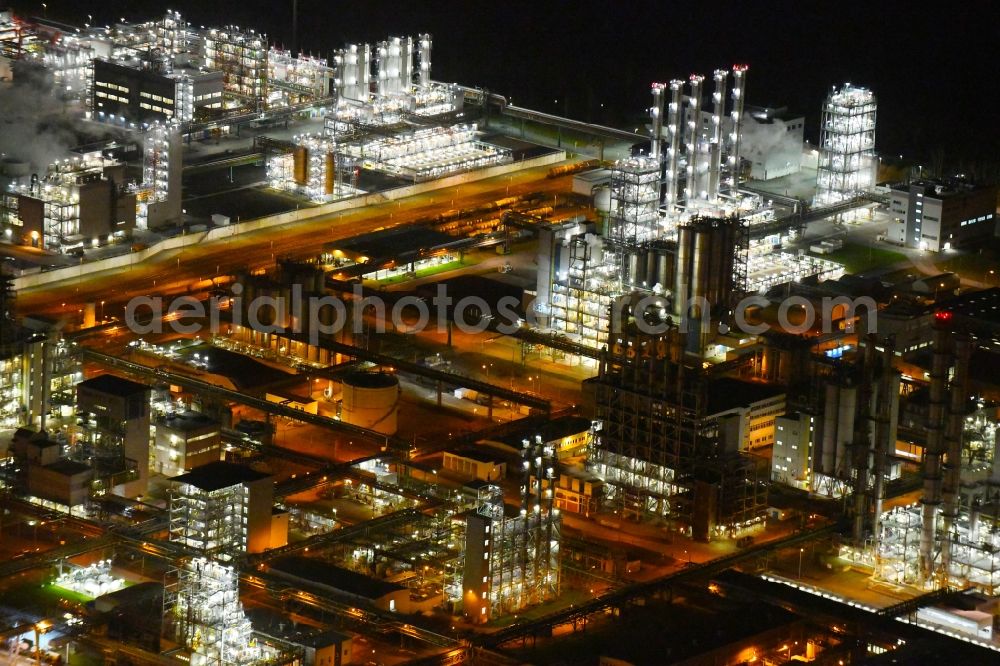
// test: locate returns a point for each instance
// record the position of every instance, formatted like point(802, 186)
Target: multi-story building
point(113, 414)
point(222, 510)
point(184, 441)
point(772, 142)
point(658, 448)
point(940, 215)
point(791, 458)
point(241, 56)
point(511, 553)
point(149, 90)
point(749, 408)
point(83, 199)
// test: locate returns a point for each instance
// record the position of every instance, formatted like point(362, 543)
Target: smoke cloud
point(35, 125)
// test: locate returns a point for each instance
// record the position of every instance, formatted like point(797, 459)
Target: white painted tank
point(371, 400)
point(602, 199)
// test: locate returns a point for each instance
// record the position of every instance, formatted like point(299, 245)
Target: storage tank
point(300, 165)
point(371, 400)
point(329, 174)
point(602, 200)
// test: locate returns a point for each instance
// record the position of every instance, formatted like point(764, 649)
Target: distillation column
point(959, 392)
point(861, 444)
point(673, 152)
point(931, 499)
point(888, 389)
point(715, 147)
point(693, 120)
point(424, 75)
point(656, 115)
point(739, 82)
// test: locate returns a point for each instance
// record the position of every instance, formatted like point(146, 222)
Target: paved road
point(180, 271)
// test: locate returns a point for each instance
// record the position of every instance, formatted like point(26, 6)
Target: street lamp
point(487, 367)
point(801, 550)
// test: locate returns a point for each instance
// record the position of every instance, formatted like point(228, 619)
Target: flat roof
point(113, 385)
point(187, 420)
point(330, 575)
point(393, 242)
point(727, 393)
point(68, 467)
point(218, 475)
point(324, 638)
point(473, 454)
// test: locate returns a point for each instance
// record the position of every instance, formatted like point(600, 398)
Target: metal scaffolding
point(847, 145)
point(658, 451)
point(212, 522)
point(202, 607)
point(241, 56)
point(512, 554)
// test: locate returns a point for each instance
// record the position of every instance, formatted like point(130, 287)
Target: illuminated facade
point(847, 160)
point(512, 554)
point(202, 603)
point(222, 510)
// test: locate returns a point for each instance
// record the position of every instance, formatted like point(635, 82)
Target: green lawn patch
point(860, 258)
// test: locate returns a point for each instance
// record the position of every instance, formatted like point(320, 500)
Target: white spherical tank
point(602, 199)
point(371, 400)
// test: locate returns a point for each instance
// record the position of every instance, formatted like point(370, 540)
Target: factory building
point(241, 56)
point(951, 537)
point(295, 79)
point(185, 440)
point(153, 89)
point(772, 142)
point(512, 553)
point(222, 510)
point(847, 161)
point(658, 449)
point(114, 421)
point(158, 197)
point(475, 464)
point(80, 200)
point(37, 375)
point(690, 175)
point(942, 214)
point(87, 199)
point(326, 167)
point(791, 458)
point(748, 408)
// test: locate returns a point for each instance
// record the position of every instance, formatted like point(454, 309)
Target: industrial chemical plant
point(321, 361)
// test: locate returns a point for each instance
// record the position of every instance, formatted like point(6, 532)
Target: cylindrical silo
point(371, 400)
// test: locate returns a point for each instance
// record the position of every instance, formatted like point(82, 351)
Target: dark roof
point(564, 426)
point(68, 467)
point(218, 475)
point(243, 371)
point(372, 380)
point(187, 420)
point(728, 393)
point(113, 385)
point(329, 575)
point(393, 243)
point(324, 639)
